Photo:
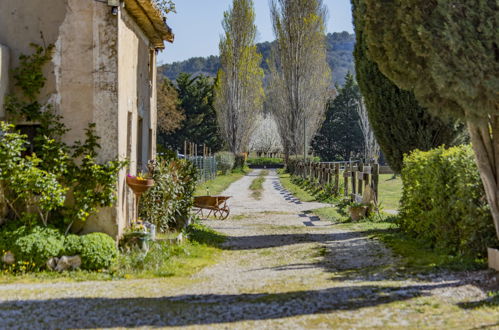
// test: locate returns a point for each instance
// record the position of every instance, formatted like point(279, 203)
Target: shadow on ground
point(187, 310)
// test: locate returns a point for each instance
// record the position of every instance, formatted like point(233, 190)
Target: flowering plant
point(137, 226)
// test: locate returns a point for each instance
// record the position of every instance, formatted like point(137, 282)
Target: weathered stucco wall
point(25, 21)
point(4, 75)
point(103, 71)
point(135, 90)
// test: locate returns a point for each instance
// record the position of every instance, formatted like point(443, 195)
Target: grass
point(297, 191)
point(415, 254)
point(175, 261)
point(390, 191)
point(219, 184)
point(256, 185)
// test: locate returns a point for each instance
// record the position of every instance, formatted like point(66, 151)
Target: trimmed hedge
point(34, 246)
point(443, 201)
point(264, 161)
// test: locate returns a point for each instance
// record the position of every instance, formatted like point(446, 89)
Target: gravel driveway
point(282, 267)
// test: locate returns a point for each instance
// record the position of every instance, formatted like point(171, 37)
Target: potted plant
point(357, 210)
point(136, 235)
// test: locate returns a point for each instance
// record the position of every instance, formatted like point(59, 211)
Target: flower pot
point(139, 186)
point(357, 212)
point(493, 258)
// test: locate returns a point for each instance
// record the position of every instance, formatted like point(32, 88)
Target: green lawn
point(164, 259)
point(297, 191)
point(218, 185)
point(390, 191)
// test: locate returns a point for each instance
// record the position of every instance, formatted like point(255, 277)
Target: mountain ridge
point(340, 47)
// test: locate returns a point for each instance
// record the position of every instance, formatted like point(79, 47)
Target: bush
point(72, 245)
point(443, 201)
point(168, 203)
point(98, 251)
point(225, 161)
point(31, 246)
point(264, 161)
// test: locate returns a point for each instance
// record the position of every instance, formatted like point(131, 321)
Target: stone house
point(103, 71)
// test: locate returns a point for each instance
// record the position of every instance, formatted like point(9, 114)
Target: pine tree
point(399, 122)
point(340, 137)
point(446, 53)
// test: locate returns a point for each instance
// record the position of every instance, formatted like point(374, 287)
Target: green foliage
point(399, 122)
point(195, 99)
point(31, 246)
point(446, 52)
point(98, 251)
point(443, 201)
point(72, 245)
point(339, 57)
point(340, 137)
point(264, 161)
point(36, 187)
point(167, 204)
point(225, 161)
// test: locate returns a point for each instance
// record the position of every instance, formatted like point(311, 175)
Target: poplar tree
point(399, 122)
point(238, 91)
point(300, 76)
point(446, 53)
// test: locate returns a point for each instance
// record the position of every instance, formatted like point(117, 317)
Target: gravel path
point(282, 267)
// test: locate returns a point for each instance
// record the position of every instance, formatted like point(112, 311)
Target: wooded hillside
point(339, 56)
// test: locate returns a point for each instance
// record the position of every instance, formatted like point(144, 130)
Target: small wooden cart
point(217, 205)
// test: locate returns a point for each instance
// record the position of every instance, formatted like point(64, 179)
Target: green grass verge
point(164, 259)
point(219, 184)
point(297, 191)
point(415, 254)
point(256, 185)
point(390, 191)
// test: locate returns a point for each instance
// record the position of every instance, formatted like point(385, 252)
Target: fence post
point(375, 180)
point(354, 180)
point(360, 177)
point(346, 173)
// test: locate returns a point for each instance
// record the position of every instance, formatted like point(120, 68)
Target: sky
point(197, 26)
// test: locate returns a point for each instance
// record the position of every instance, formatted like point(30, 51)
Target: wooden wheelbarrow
point(217, 205)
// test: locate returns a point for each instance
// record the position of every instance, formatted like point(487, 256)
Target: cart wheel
point(224, 213)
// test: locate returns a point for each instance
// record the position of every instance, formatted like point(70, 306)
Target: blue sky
point(197, 26)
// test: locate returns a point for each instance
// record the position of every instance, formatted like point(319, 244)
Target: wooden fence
point(352, 176)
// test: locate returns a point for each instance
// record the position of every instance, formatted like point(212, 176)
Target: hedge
point(443, 201)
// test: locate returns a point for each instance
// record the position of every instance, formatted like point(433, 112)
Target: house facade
point(103, 71)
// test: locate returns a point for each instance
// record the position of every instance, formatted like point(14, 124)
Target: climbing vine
point(57, 183)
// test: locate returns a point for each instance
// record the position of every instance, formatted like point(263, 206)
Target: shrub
point(72, 245)
point(443, 201)
point(225, 161)
point(168, 203)
point(264, 161)
point(98, 251)
point(31, 246)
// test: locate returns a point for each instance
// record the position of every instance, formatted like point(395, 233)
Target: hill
point(339, 56)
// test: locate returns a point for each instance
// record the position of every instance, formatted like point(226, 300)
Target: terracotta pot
point(357, 212)
point(493, 258)
point(139, 186)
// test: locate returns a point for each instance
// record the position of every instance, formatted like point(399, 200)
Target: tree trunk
point(485, 140)
point(239, 161)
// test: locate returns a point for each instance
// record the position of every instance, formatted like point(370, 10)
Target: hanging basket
point(139, 186)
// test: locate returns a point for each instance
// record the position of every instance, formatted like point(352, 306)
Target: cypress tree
point(400, 124)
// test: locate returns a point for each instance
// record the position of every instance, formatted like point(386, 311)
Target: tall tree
point(195, 97)
point(239, 92)
point(170, 114)
point(300, 76)
point(340, 137)
point(446, 53)
point(399, 122)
